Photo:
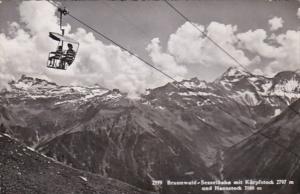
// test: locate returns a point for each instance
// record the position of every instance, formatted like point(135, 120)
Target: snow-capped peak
point(286, 75)
point(235, 72)
point(25, 83)
point(194, 83)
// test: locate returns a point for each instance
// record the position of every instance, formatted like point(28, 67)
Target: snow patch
point(276, 112)
point(160, 107)
point(288, 86)
point(202, 119)
point(30, 148)
point(189, 173)
point(83, 178)
point(189, 93)
point(22, 85)
point(171, 93)
point(146, 103)
point(236, 72)
point(112, 96)
point(253, 79)
point(172, 150)
point(226, 85)
point(247, 97)
point(66, 101)
point(191, 84)
point(289, 95)
point(266, 86)
point(95, 93)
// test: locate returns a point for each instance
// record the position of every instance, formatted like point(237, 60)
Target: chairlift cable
point(170, 77)
point(117, 44)
point(206, 35)
point(149, 64)
point(123, 48)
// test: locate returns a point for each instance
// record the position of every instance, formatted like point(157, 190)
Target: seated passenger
point(69, 56)
point(57, 55)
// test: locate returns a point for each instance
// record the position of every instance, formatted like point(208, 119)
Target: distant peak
point(288, 75)
point(195, 79)
point(27, 82)
point(194, 83)
point(234, 73)
point(24, 78)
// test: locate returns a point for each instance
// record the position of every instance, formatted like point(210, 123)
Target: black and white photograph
point(149, 96)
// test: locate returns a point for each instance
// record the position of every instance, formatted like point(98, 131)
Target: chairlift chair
point(55, 59)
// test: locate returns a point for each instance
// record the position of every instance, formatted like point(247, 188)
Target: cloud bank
point(190, 46)
point(280, 52)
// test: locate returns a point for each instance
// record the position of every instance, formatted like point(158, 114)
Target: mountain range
point(182, 131)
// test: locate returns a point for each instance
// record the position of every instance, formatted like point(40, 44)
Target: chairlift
point(67, 48)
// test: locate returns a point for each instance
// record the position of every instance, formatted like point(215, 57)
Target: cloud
point(271, 53)
point(298, 13)
point(164, 61)
point(289, 48)
point(276, 23)
point(284, 52)
point(24, 50)
point(188, 45)
point(255, 41)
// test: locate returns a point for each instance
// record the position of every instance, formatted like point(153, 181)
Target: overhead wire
point(148, 63)
point(152, 66)
point(253, 130)
point(122, 47)
point(119, 45)
point(165, 74)
point(206, 35)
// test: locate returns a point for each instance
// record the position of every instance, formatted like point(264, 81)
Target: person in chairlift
point(70, 55)
point(57, 55)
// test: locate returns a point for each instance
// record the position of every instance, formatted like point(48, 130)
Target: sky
point(263, 35)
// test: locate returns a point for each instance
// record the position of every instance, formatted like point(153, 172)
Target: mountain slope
point(128, 143)
point(25, 171)
point(262, 158)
